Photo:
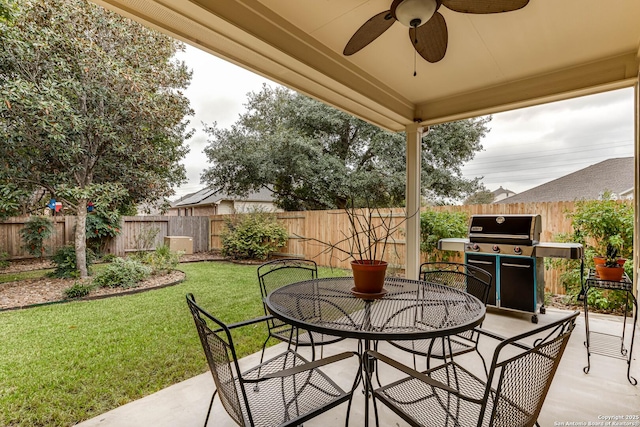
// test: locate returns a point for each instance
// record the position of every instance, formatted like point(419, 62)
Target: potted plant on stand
point(612, 268)
point(605, 227)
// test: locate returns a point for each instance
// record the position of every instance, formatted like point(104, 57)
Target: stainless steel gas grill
point(509, 247)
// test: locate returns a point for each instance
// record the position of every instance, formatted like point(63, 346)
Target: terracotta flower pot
point(598, 260)
point(613, 274)
point(368, 275)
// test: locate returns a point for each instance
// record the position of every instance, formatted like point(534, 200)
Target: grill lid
point(523, 230)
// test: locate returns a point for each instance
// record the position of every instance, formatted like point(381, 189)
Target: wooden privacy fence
point(136, 233)
point(330, 226)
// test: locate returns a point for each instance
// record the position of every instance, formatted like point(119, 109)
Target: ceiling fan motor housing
point(414, 13)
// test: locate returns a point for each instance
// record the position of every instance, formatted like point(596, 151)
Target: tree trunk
point(81, 238)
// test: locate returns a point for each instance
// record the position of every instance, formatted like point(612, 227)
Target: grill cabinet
point(508, 247)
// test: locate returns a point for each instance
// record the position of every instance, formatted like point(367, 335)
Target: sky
point(524, 148)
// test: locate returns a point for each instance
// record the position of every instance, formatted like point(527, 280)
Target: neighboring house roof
point(502, 193)
point(614, 175)
point(209, 196)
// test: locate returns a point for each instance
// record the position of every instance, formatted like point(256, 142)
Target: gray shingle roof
point(615, 175)
point(208, 196)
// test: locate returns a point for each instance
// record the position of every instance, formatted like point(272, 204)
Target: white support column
point(413, 196)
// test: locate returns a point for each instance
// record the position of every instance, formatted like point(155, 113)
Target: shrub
point(78, 290)
point(254, 235)
point(4, 260)
point(146, 239)
point(65, 262)
point(108, 257)
point(36, 230)
point(100, 229)
point(162, 260)
point(124, 273)
point(596, 225)
point(440, 225)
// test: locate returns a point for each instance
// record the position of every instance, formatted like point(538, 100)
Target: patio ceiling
point(547, 51)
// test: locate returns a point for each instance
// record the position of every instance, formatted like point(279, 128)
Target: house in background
point(212, 202)
point(502, 193)
point(590, 183)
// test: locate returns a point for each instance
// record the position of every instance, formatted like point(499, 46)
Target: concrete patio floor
point(575, 398)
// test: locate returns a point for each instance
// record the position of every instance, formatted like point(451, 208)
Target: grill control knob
point(495, 248)
point(517, 250)
point(475, 247)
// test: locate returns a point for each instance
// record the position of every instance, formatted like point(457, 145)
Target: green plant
point(125, 273)
point(611, 257)
point(78, 290)
point(604, 227)
point(604, 224)
point(436, 225)
point(100, 229)
point(162, 260)
point(145, 239)
point(4, 260)
point(35, 231)
point(64, 260)
point(253, 235)
point(108, 257)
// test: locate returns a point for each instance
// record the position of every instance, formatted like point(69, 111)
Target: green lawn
point(63, 363)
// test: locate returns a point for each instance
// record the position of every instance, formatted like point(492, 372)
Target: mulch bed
point(46, 290)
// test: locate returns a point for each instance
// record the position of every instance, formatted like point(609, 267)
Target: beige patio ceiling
point(550, 50)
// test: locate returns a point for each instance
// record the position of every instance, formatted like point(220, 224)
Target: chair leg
point(210, 406)
point(484, 364)
point(264, 347)
point(356, 381)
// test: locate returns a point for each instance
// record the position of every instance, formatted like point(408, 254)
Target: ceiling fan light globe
point(409, 12)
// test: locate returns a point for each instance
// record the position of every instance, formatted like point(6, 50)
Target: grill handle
point(473, 261)
point(506, 264)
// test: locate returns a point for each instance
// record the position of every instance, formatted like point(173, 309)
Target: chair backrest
point(459, 276)
point(275, 274)
point(221, 357)
point(522, 380)
point(471, 270)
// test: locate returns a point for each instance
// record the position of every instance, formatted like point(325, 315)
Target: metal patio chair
point(275, 274)
point(286, 390)
point(468, 278)
point(512, 396)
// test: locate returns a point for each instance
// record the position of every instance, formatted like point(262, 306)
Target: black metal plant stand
point(607, 344)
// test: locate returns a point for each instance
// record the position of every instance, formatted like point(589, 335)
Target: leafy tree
point(12, 200)
point(313, 156)
point(91, 108)
point(482, 197)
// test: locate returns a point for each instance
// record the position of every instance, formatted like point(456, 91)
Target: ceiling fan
point(427, 28)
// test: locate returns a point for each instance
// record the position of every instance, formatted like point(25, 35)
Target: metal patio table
point(405, 310)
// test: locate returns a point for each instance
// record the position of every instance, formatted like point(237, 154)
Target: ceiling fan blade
point(430, 39)
point(369, 31)
point(484, 6)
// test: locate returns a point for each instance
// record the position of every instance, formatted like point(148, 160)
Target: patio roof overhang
point(548, 51)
